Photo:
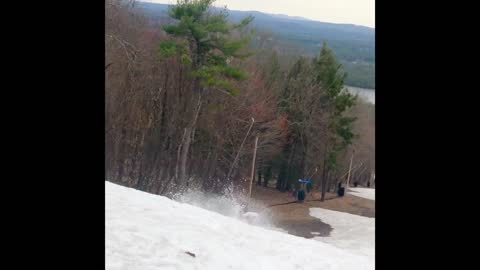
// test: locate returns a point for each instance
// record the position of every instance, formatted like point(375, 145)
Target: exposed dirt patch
point(305, 227)
point(295, 217)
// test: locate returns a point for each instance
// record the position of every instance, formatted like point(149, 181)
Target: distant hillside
point(354, 45)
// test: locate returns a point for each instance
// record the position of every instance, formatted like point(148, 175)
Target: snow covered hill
point(367, 193)
point(146, 232)
point(350, 232)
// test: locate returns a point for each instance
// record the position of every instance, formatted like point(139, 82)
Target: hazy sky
point(360, 12)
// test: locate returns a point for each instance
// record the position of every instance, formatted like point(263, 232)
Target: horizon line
point(293, 16)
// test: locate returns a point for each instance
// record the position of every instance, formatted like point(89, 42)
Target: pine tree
point(201, 39)
point(330, 76)
point(291, 103)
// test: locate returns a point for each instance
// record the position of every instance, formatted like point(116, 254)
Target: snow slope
point(146, 232)
point(367, 193)
point(350, 232)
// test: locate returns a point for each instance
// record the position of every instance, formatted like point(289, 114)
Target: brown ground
point(294, 217)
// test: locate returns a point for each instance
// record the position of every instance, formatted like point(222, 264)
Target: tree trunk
point(259, 181)
point(189, 131)
point(286, 183)
point(252, 175)
point(324, 173)
point(267, 176)
point(348, 177)
point(324, 185)
point(182, 179)
point(239, 150)
point(281, 176)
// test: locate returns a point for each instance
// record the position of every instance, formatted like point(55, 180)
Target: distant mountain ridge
point(288, 16)
point(354, 45)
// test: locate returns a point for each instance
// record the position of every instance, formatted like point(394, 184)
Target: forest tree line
point(186, 100)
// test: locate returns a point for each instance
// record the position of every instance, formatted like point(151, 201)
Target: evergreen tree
point(291, 103)
point(338, 100)
point(203, 42)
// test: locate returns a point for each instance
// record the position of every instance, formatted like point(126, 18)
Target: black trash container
point(341, 192)
point(301, 195)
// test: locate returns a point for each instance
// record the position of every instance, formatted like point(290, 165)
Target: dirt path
point(295, 217)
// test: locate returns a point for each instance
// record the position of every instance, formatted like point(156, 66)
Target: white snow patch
point(366, 94)
point(250, 214)
point(147, 232)
point(350, 232)
point(230, 203)
point(367, 193)
point(251, 217)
